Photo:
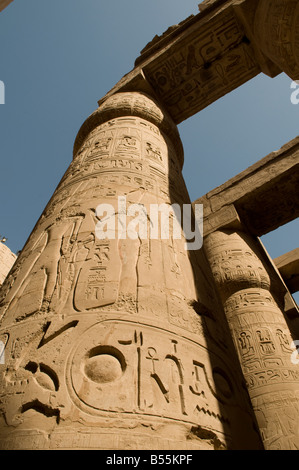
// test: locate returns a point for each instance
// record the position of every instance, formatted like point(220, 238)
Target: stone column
point(276, 28)
point(108, 343)
point(260, 333)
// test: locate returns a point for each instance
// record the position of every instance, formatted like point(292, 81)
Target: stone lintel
point(245, 10)
point(208, 4)
point(265, 196)
point(288, 266)
point(226, 217)
point(290, 307)
point(198, 61)
point(275, 27)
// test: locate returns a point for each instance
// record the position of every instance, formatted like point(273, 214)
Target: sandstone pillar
point(277, 31)
point(109, 345)
point(260, 333)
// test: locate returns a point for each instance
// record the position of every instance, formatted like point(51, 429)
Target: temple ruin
point(135, 342)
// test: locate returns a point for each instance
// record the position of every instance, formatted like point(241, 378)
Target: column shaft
point(261, 336)
point(109, 344)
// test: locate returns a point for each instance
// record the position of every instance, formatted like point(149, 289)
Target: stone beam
point(288, 266)
point(259, 200)
point(263, 197)
point(208, 55)
point(198, 61)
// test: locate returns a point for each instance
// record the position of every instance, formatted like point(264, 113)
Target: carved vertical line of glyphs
point(101, 334)
point(260, 334)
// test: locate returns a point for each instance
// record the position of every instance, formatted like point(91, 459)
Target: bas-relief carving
point(67, 278)
point(126, 154)
point(281, 431)
point(261, 335)
point(71, 196)
point(86, 275)
point(204, 68)
point(165, 380)
point(276, 27)
point(52, 266)
point(114, 366)
point(142, 370)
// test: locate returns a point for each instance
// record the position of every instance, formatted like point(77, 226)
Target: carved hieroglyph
point(277, 30)
point(108, 344)
point(261, 335)
point(204, 68)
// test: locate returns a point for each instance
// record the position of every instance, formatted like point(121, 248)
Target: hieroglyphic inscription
point(205, 66)
point(31, 378)
point(260, 333)
point(155, 373)
point(277, 28)
point(283, 408)
point(106, 327)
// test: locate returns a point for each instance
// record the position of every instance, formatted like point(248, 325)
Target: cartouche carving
point(104, 331)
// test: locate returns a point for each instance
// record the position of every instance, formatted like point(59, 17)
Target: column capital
point(135, 104)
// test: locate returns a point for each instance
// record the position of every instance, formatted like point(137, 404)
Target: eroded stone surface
point(206, 56)
point(261, 335)
point(277, 30)
point(109, 339)
point(122, 343)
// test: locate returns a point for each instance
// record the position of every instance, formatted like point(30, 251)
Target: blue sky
point(59, 57)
